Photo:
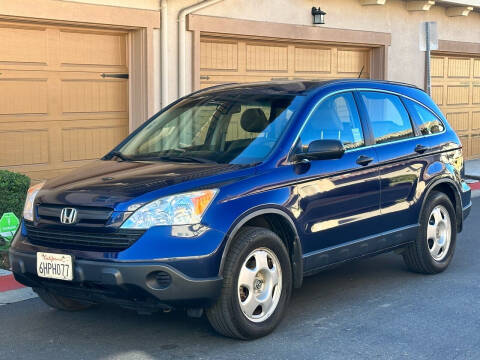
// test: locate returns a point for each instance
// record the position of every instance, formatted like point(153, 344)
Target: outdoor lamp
point(318, 16)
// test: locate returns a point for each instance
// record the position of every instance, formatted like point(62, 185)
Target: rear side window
point(336, 118)
point(427, 122)
point(388, 117)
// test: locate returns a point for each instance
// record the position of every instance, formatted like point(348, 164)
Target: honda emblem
point(68, 216)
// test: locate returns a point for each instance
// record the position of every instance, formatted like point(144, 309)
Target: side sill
point(368, 246)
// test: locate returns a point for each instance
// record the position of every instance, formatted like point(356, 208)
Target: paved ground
point(472, 168)
point(369, 309)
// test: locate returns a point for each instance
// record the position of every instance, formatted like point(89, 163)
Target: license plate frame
point(55, 266)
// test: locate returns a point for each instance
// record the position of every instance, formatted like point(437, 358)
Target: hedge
point(13, 191)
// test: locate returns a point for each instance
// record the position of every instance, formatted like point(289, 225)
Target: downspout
point(164, 51)
point(182, 16)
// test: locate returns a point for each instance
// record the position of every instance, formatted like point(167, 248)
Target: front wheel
point(256, 288)
point(433, 249)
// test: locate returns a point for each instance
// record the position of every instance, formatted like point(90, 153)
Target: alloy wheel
point(259, 285)
point(439, 233)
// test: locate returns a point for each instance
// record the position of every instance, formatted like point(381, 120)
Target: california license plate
point(54, 266)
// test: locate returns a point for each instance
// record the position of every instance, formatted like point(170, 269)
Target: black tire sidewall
point(245, 327)
point(437, 199)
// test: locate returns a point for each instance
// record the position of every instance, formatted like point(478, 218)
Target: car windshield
point(236, 127)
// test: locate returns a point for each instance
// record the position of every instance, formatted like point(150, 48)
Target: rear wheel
point(434, 247)
point(60, 302)
point(256, 288)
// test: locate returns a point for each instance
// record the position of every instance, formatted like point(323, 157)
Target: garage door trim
point(210, 25)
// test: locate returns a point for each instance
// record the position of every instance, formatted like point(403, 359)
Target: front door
point(400, 160)
point(336, 201)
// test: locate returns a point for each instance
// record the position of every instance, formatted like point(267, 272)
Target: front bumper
point(131, 284)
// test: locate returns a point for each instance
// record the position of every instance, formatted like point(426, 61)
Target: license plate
point(54, 266)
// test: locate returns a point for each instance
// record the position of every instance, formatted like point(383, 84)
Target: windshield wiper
point(184, 158)
point(119, 155)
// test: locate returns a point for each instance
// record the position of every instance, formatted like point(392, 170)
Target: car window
point(335, 118)
point(428, 123)
point(388, 117)
point(235, 130)
point(222, 127)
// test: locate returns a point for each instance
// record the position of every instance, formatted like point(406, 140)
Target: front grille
point(82, 240)
point(87, 215)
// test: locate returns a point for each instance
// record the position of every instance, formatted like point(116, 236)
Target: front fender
point(233, 213)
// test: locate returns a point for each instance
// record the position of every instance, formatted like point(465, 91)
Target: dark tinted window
point(428, 123)
point(388, 117)
point(335, 118)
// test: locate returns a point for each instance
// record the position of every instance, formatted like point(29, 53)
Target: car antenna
point(361, 71)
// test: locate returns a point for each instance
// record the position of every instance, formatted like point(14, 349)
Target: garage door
point(456, 89)
point(237, 60)
point(57, 112)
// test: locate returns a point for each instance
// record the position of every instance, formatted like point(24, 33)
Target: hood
point(106, 183)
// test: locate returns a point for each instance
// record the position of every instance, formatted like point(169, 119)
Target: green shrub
point(13, 191)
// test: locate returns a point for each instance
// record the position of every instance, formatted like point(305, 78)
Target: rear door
point(400, 158)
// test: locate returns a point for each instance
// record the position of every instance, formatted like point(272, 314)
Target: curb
point(475, 186)
point(11, 291)
point(8, 282)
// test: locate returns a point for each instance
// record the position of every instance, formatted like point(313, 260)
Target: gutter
point(182, 16)
point(164, 52)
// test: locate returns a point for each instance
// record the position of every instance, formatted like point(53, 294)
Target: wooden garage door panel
point(459, 120)
point(437, 94)
point(455, 89)
point(92, 48)
point(87, 143)
point(476, 68)
point(261, 57)
point(458, 67)
point(23, 96)
point(437, 66)
point(352, 61)
point(476, 120)
point(24, 147)
point(313, 60)
point(94, 96)
point(224, 60)
point(61, 114)
point(23, 45)
point(457, 95)
point(218, 55)
point(476, 95)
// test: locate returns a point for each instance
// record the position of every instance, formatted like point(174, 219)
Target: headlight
point(180, 209)
point(31, 195)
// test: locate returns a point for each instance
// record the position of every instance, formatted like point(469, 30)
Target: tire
point(60, 302)
point(425, 255)
point(246, 280)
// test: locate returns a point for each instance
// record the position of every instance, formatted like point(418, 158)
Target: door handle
point(364, 160)
point(421, 149)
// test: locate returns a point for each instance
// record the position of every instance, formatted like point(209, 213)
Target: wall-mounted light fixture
point(318, 16)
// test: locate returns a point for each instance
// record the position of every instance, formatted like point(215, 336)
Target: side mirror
point(322, 150)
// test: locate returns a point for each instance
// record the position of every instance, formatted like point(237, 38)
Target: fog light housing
point(159, 280)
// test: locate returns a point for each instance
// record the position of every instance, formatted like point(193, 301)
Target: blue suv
point(226, 199)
